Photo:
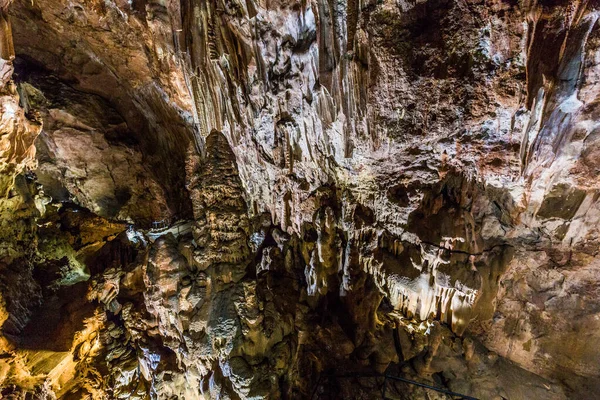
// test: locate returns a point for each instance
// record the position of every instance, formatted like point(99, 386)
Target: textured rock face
point(271, 199)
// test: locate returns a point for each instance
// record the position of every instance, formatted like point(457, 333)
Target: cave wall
point(356, 187)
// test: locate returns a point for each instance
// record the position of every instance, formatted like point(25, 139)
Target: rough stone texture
point(405, 187)
point(86, 153)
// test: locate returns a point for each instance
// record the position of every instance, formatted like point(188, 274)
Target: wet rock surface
point(375, 189)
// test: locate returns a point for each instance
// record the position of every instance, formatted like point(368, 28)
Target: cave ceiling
point(269, 199)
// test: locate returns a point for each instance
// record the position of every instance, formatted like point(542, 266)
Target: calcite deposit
point(269, 199)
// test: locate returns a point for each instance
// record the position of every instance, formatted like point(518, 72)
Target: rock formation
point(274, 199)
